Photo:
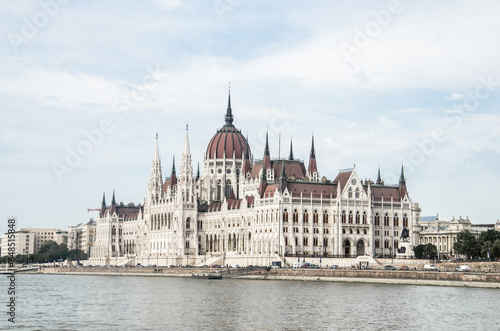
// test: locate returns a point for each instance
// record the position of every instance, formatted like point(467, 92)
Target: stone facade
point(28, 241)
point(82, 236)
point(443, 234)
point(246, 211)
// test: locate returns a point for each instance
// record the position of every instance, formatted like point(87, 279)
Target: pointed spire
point(313, 153)
point(198, 172)
point(379, 178)
point(290, 157)
point(283, 171)
point(173, 165)
point(229, 112)
point(402, 180)
point(267, 155)
point(313, 168)
point(157, 151)
point(266, 149)
point(246, 164)
point(113, 204)
point(103, 205)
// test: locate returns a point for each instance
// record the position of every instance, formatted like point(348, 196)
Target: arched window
point(350, 216)
point(285, 215)
point(396, 220)
point(188, 223)
point(357, 193)
point(405, 220)
point(350, 192)
point(365, 218)
point(325, 217)
point(343, 216)
point(306, 216)
point(377, 219)
point(358, 218)
point(315, 217)
point(295, 216)
point(229, 189)
point(386, 219)
point(219, 191)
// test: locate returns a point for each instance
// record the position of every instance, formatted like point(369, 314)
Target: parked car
point(389, 267)
point(463, 268)
point(430, 267)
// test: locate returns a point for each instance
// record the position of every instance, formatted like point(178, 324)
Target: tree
point(467, 244)
point(77, 254)
point(495, 249)
point(425, 251)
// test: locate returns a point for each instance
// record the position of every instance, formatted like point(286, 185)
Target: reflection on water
point(141, 303)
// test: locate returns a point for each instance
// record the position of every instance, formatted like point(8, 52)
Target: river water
point(75, 302)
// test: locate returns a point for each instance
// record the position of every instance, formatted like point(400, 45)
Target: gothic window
point(358, 217)
point(188, 223)
point(386, 244)
point(357, 193)
point(365, 219)
point(350, 216)
point(377, 219)
point(306, 216)
point(377, 243)
point(405, 220)
point(386, 219)
point(219, 190)
point(295, 216)
point(350, 192)
point(343, 216)
point(296, 241)
point(396, 220)
point(325, 217)
point(315, 217)
point(306, 241)
point(325, 242)
point(228, 189)
point(315, 242)
point(285, 216)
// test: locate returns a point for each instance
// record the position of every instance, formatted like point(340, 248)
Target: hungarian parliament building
point(246, 211)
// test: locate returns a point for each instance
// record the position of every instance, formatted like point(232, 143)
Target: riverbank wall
point(411, 277)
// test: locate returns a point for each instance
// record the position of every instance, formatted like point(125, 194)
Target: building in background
point(29, 241)
point(443, 234)
point(82, 236)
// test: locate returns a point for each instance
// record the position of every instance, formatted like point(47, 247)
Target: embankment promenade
point(401, 277)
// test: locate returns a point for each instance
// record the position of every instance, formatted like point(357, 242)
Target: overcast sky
point(86, 85)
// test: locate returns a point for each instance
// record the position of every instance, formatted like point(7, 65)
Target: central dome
point(228, 141)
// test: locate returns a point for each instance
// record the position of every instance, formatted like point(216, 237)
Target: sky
point(86, 85)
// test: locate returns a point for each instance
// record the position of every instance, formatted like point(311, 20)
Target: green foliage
point(77, 254)
point(495, 249)
point(427, 251)
point(467, 244)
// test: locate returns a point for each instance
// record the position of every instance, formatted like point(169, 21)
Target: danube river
point(77, 302)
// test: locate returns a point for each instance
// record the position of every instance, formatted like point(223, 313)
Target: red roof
point(228, 140)
point(292, 168)
point(342, 179)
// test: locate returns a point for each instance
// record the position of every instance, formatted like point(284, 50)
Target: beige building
point(28, 241)
point(443, 234)
point(82, 236)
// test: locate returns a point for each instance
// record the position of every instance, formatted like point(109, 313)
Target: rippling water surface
point(58, 302)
